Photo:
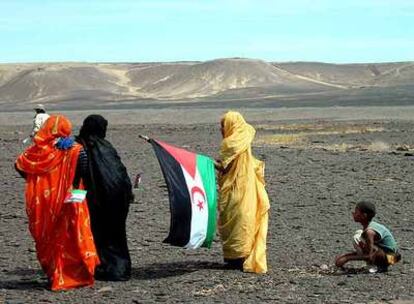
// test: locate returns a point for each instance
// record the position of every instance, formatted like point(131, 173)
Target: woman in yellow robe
point(243, 201)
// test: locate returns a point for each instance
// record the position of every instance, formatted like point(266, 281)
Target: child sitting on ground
point(374, 244)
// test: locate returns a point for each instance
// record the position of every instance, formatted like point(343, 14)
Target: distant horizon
point(121, 31)
point(200, 61)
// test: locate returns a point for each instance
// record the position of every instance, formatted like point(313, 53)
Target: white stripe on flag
point(199, 209)
point(75, 196)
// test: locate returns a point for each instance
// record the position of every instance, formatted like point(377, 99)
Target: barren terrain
point(319, 161)
point(102, 84)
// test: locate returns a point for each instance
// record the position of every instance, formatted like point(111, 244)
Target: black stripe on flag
point(180, 201)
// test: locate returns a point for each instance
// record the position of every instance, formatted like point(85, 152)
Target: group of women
point(80, 239)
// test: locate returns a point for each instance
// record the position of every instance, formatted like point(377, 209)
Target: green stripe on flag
point(205, 166)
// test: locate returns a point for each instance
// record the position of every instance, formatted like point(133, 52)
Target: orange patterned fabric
point(62, 233)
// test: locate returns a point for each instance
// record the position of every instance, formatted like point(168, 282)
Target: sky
point(178, 30)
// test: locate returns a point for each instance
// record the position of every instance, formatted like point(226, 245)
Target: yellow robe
point(243, 201)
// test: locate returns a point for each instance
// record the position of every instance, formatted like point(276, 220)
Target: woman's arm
point(21, 173)
point(218, 165)
point(81, 168)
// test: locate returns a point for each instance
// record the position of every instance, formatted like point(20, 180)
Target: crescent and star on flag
point(198, 196)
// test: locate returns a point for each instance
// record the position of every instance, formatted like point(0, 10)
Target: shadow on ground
point(165, 270)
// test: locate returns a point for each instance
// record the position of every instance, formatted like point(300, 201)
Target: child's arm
point(369, 247)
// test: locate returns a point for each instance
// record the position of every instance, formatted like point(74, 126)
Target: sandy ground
point(316, 165)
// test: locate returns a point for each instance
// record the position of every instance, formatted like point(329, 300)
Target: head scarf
point(43, 155)
point(237, 137)
point(93, 125)
point(107, 173)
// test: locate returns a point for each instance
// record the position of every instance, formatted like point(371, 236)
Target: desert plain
point(321, 156)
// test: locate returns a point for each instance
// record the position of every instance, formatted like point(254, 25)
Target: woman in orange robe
point(62, 233)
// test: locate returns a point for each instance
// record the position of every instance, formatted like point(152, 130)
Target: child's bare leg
point(341, 260)
point(379, 258)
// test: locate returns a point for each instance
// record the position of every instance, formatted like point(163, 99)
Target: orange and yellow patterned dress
point(62, 233)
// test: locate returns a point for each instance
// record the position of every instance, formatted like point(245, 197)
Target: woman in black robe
point(109, 194)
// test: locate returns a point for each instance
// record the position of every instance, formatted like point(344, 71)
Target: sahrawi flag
point(191, 184)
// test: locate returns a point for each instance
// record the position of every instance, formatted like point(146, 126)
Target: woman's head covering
point(107, 174)
point(55, 126)
point(231, 122)
point(43, 155)
point(93, 125)
point(237, 136)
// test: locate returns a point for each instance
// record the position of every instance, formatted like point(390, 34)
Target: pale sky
point(173, 30)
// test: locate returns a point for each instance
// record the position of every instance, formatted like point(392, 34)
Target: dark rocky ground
point(311, 190)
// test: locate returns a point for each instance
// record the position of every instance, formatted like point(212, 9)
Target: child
point(374, 244)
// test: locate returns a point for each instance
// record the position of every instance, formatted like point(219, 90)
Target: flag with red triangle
point(192, 192)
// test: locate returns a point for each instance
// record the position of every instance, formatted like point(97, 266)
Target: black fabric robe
point(109, 196)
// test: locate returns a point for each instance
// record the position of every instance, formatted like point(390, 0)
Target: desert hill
point(236, 77)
